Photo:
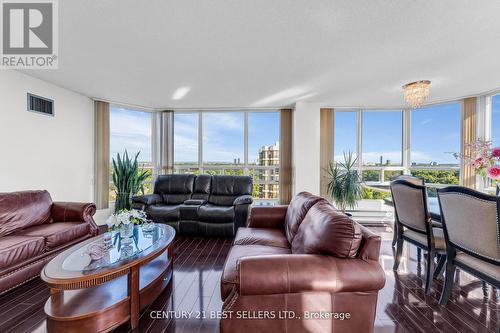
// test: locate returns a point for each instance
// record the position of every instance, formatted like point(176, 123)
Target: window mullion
point(245, 149)
point(200, 142)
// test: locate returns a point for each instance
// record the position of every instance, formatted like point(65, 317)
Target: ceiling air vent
point(40, 104)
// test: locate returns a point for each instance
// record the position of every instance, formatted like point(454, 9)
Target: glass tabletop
point(110, 248)
point(433, 205)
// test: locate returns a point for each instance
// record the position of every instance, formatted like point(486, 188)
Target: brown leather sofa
point(33, 229)
point(305, 267)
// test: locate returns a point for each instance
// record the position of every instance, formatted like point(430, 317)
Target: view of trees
point(450, 177)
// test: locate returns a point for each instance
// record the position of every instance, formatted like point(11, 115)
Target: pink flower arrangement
point(494, 172)
point(496, 152)
point(484, 159)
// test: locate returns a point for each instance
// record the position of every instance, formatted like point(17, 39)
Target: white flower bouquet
point(126, 217)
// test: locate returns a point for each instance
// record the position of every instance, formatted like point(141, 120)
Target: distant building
point(269, 156)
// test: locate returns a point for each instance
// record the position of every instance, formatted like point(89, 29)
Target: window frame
point(406, 166)
point(201, 167)
point(142, 165)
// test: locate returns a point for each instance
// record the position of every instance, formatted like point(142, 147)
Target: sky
point(435, 134)
point(130, 130)
point(223, 134)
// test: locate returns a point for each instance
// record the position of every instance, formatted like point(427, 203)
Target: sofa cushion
point(261, 236)
point(58, 233)
point(202, 187)
point(326, 230)
point(230, 274)
point(227, 188)
point(16, 249)
point(216, 214)
point(175, 189)
point(164, 213)
point(297, 210)
point(23, 209)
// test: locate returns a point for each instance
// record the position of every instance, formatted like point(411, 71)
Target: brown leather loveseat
point(33, 229)
point(305, 267)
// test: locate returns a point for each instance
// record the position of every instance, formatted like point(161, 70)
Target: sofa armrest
point(370, 245)
point(195, 202)
point(295, 273)
point(267, 217)
point(243, 200)
point(75, 212)
point(148, 199)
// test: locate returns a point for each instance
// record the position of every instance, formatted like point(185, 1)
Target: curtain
point(285, 187)
point(101, 154)
point(163, 142)
point(469, 125)
point(326, 148)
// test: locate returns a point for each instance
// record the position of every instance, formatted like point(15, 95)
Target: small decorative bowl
point(96, 251)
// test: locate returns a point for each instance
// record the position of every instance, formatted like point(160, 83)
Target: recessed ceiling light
point(180, 93)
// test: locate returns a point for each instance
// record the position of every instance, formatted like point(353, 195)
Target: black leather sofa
point(204, 204)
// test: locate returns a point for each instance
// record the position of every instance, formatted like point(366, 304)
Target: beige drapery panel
point(286, 136)
point(101, 154)
point(469, 125)
point(326, 147)
point(163, 142)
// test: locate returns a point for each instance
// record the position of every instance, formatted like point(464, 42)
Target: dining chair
point(415, 227)
point(472, 234)
point(413, 180)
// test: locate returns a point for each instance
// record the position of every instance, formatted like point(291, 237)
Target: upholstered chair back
point(412, 179)
point(410, 203)
point(471, 221)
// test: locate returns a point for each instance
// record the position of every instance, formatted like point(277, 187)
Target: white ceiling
point(241, 53)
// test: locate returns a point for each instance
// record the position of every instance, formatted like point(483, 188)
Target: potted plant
point(344, 186)
point(128, 180)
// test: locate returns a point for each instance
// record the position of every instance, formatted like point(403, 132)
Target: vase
point(123, 201)
point(126, 230)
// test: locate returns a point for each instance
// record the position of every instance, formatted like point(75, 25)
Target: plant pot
point(126, 230)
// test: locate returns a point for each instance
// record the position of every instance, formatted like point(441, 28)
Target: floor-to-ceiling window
point(186, 150)
point(130, 131)
point(345, 135)
point(435, 136)
point(223, 143)
point(264, 153)
point(389, 143)
point(230, 143)
point(495, 120)
point(382, 142)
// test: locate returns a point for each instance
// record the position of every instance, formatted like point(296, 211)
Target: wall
point(306, 147)
point(44, 152)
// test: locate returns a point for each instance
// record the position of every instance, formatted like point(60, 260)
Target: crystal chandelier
point(416, 93)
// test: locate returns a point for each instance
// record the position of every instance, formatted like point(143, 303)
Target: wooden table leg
point(133, 292)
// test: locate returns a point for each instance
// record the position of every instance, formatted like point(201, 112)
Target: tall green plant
point(128, 179)
point(344, 185)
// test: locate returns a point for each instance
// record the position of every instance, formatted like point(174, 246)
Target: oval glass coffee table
point(94, 295)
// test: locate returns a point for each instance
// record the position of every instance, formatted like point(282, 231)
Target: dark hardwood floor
point(402, 306)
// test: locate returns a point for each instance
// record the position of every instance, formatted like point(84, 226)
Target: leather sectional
point(204, 204)
point(294, 268)
point(33, 230)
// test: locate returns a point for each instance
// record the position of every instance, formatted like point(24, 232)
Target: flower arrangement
point(484, 159)
point(125, 217)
